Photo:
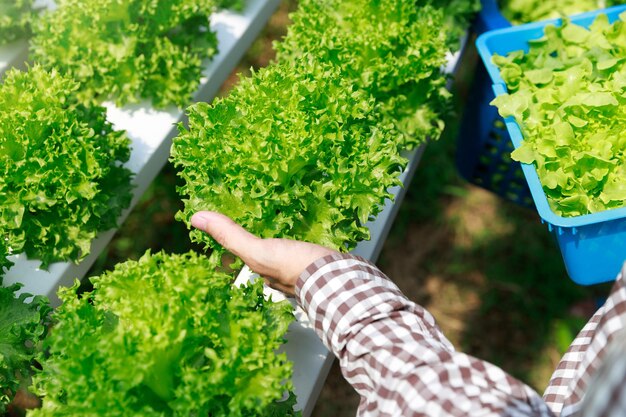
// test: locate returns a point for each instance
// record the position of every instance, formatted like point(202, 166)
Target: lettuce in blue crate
point(24, 323)
point(297, 150)
point(128, 50)
point(392, 49)
point(167, 335)
point(15, 19)
point(566, 94)
point(61, 174)
point(524, 11)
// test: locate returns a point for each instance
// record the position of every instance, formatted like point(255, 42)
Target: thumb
point(280, 260)
point(227, 233)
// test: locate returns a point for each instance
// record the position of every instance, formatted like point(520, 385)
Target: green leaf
point(15, 19)
point(539, 76)
point(614, 191)
point(509, 105)
point(167, 335)
point(576, 121)
point(607, 63)
point(23, 324)
point(524, 154)
point(60, 173)
point(599, 99)
point(128, 50)
point(574, 33)
point(524, 11)
point(308, 147)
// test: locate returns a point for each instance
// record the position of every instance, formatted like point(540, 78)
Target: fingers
point(279, 260)
point(227, 233)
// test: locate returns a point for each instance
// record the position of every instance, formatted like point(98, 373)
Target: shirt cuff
point(339, 289)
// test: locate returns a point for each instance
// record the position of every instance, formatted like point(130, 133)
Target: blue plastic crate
point(593, 245)
point(489, 17)
point(483, 144)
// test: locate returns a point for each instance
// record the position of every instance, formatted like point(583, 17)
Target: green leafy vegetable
point(524, 11)
point(23, 324)
point(293, 151)
point(15, 19)
point(283, 408)
point(236, 5)
point(4, 252)
point(126, 50)
point(458, 16)
point(568, 96)
point(400, 65)
point(61, 178)
point(165, 336)
point(308, 147)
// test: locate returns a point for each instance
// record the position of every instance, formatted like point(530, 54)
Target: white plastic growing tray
point(151, 132)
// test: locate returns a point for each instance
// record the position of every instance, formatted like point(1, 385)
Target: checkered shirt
point(398, 360)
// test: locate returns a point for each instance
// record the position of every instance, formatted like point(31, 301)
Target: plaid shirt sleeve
point(395, 356)
point(589, 381)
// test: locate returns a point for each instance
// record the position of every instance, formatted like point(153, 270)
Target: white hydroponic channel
point(151, 132)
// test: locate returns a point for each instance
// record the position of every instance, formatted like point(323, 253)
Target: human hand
point(279, 261)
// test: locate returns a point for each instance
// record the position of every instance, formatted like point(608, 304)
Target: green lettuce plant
point(237, 5)
point(127, 50)
point(392, 50)
point(15, 19)
point(5, 263)
point(567, 96)
point(61, 174)
point(23, 324)
point(309, 147)
point(524, 11)
point(166, 335)
point(458, 17)
point(296, 150)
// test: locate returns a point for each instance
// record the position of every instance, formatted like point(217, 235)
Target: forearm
point(392, 351)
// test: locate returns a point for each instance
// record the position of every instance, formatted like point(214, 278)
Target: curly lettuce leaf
point(237, 5)
point(567, 95)
point(128, 50)
point(458, 18)
point(5, 263)
point(61, 174)
point(283, 408)
point(309, 147)
point(23, 324)
point(15, 19)
point(166, 335)
point(524, 11)
point(400, 65)
point(294, 151)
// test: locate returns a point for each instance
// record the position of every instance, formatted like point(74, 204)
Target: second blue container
point(483, 144)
